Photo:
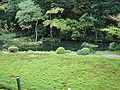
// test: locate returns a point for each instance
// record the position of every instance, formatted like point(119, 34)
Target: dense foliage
point(92, 47)
point(23, 44)
point(65, 19)
point(114, 46)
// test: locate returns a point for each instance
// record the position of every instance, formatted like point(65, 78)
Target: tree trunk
point(36, 33)
point(96, 35)
point(51, 31)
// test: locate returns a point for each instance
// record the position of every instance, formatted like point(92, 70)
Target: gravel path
point(112, 56)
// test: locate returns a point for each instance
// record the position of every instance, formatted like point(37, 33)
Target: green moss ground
point(49, 71)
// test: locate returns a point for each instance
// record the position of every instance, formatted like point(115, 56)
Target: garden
point(59, 45)
point(60, 69)
point(51, 71)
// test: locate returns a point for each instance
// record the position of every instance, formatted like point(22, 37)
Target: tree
point(29, 15)
point(84, 17)
point(51, 22)
point(118, 19)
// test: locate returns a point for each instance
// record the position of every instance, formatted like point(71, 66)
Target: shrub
point(13, 49)
point(23, 44)
point(67, 51)
point(84, 51)
point(6, 37)
point(60, 50)
point(114, 46)
point(54, 40)
point(30, 51)
point(29, 45)
point(90, 46)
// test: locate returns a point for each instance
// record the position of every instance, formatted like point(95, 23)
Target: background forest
point(47, 20)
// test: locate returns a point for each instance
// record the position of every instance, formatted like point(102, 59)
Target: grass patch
point(50, 71)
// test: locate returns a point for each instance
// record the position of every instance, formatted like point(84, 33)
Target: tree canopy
point(73, 19)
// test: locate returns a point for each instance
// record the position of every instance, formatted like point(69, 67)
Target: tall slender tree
point(29, 15)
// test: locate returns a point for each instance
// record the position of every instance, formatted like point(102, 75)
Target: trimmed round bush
point(13, 49)
point(84, 51)
point(60, 50)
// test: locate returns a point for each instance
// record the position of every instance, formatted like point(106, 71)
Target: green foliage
point(85, 22)
point(6, 37)
point(118, 16)
point(75, 35)
point(4, 29)
point(60, 50)
point(49, 67)
point(49, 1)
point(28, 13)
point(84, 51)
point(112, 31)
point(54, 40)
point(23, 44)
point(4, 86)
point(90, 46)
point(30, 51)
point(67, 16)
point(114, 46)
point(85, 44)
point(24, 39)
point(81, 7)
point(119, 25)
point(68, 51)
point(3, 7)
point(58, 23)
point(55, 10)
point(13, 49)
point(30, 45)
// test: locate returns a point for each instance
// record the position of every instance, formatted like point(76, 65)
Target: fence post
point(18, 83)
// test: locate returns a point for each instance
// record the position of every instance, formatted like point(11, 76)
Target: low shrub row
point(84, 51)
point(28, 45)
point(23, 44)
point(92, 47)
point(54, 40)
point(87, 48)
